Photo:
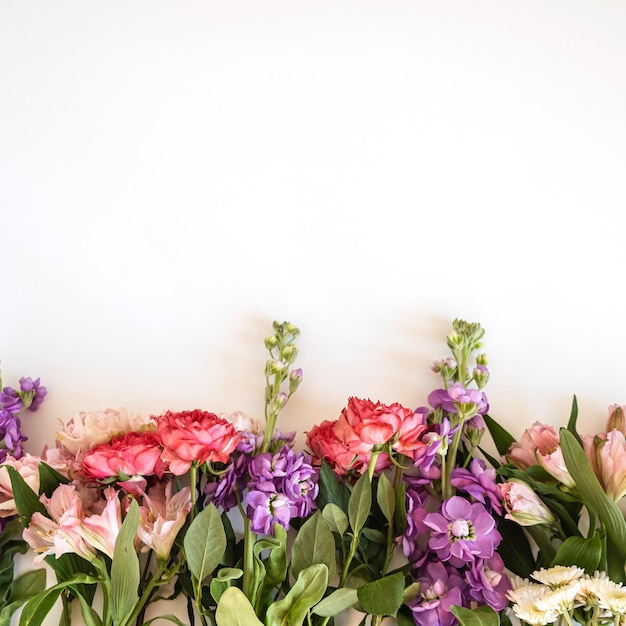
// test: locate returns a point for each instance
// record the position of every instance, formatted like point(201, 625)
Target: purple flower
point(463, 396)
point(480, 483)
point(300, 485)
point(488, 584)
point(11, 437)
point(440, 399)
point(462, 532)
point(418, 503)
point(234, 478)
point(33, 392)
point(440, 588)
point(267, 507)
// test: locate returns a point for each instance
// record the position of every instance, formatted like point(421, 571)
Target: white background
point(176, 175)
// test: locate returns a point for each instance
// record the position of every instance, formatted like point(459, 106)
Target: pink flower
point(162, 516)
point(195, 436)
point(523, 506)
point(28, 468)
point(124, 457)
point(364, 424)
point(63, 533)
point(324, 444)
point(540, 445)
point(101, 530)
point(410, 435)
point(607, 455)
point(85, 430)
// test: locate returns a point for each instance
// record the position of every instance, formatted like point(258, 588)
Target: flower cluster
point(568, 594)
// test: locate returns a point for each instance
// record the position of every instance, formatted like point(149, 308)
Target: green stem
point(447, 490)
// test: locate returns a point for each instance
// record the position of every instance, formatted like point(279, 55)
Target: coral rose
point(132, 454)
point(195, 436)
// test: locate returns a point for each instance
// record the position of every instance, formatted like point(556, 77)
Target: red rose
point(131, 454)
point(191, 436)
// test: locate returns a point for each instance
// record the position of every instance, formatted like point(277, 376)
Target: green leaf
point(360, 503)
point(125, 568)
point(12, 530)
point(515, 549)
point(205, 543)
point(383, 596)
point(338, 601)
point(336, 519)
point(501, 437)
point(585, 553)
point(331, 489)
point(307, 591)
point(169, 618)
point(314, 544)
point(222, 581)
point(28, 585)
point(571, 424)
point(49, 479)
point(588, 486)
point(411, 592)
point(276, 562)
point(480, 616)
point(234, 609)
point(386, 497)
point(26, 500)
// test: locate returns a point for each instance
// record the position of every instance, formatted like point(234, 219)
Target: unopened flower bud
point(523, 505)
point(480, 375)
point(289, 353)
point(481, 359)
point(295, 378)
point(278, 402)
point(271, 342)
point(273, 366)
point(616, 419)
point(455, 340)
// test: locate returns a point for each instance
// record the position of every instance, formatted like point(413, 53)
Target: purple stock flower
point(234, 478)
point(11, 437)
point(33, 390)
point(480, 483)
point(462, 532)
point(440, 399)
point(440, 588)
point(461, 395)
point(418, 503)
point(267, 507)
point(488, 584)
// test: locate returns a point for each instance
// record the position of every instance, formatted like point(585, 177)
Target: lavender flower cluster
point(12, 402)
point(274, 486)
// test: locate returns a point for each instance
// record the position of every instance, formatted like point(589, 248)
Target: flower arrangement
point(389, 512)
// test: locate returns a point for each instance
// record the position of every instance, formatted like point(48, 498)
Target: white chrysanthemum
point(560, 599)
point(530, 614)
point(527, 593)
point(558, 575)
point(613, 598)
point(593, 589)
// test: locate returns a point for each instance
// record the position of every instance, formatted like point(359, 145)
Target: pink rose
point(85, 430)
point(364, 424)
point(195, 436)
point(412, 429)
point(132, 454)
point(28, 469)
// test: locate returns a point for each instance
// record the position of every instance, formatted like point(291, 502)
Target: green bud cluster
point(283, 352)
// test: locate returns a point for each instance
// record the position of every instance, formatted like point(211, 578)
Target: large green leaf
point(338, 601)
point(205, 543)
point(26, 500)
point(383, 596)
point(25, 587)
point(515, 549)
point(306, 593)
point(336, 519)
point(49, 479)
point(234, 609)
point(585, 553)
point(571, 424)
point(386, 497)
point(360, 503)
point(223, 580)
point(588, 486)
point(125, 569)
point(331, 489)
point(275, 564)
point(501, 437)
point(480, 616)
point(314, 544)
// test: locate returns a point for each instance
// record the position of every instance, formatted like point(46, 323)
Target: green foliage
point(383, 596)
point(481, 616)
point(205, 543)
point(314, 544)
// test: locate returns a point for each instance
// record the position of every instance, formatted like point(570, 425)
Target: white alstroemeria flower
point(560, 600)
point(558, 575)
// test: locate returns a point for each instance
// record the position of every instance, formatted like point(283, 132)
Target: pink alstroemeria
point(161, 516)
point(522, 504)
point(540, 445)
point(607, 454)
point(101, 530)
point(63, 533)
point(28, 468)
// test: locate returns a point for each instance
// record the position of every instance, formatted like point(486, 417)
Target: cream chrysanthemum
point(558, 575)
point(614, 599)
point(560, 599)
point(594, 589)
